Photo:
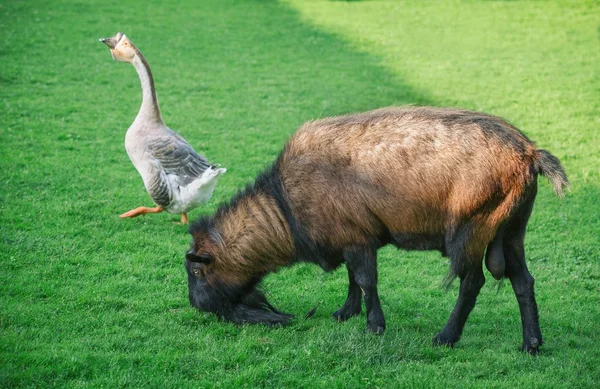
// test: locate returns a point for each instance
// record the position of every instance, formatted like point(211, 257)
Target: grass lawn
point(88, 299)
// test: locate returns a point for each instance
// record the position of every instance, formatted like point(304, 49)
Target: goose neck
point(149, 109)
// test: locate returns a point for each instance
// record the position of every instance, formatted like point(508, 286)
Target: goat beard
point(254, 308)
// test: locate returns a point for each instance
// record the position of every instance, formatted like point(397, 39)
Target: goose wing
point(176, 158)
point(157, 185)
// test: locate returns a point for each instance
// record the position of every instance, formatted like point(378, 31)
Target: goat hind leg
point(471, 281)
point(521, 280)
point(522, 284)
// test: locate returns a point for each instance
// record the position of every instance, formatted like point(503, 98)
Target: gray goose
point(176, 177)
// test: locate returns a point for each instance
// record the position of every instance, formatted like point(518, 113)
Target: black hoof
point(443, 340)
point(532, 346)
point(344, 314)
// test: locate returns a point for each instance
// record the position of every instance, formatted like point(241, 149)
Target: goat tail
point(549, 166)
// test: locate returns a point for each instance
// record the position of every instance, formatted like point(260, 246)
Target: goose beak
point(110, 42)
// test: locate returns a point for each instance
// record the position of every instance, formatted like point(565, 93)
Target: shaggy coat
point(415, 177)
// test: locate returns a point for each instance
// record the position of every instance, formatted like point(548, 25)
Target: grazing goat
point(416, 177)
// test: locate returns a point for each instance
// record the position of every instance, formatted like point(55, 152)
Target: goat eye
point(198, 272)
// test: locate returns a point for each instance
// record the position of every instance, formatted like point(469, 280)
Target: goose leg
point(184, 218)
point(142, 211)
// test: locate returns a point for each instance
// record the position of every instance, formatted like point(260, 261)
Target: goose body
point(176, 177)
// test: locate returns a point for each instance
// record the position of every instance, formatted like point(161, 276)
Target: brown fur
point(408, 170)
point(249, 240)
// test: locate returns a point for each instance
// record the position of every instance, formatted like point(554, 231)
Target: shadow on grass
point(260, 65)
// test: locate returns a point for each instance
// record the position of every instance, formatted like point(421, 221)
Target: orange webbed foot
point(141, 211)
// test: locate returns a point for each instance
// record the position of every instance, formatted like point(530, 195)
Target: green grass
point(88, 299)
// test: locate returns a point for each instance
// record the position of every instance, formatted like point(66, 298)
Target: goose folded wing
point(157, 186)
point(177, 158)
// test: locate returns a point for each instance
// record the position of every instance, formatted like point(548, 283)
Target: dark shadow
point(258, 70)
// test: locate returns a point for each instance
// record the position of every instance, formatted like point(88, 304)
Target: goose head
point(121, 48)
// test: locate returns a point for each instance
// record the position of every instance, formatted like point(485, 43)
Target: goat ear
point(193, 257)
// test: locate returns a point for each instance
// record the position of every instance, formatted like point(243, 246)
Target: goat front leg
point(361, 262)
point(353, 302)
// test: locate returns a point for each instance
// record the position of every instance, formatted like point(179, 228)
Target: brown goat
point(418, 178)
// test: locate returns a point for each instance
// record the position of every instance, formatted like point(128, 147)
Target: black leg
point(521, 280)
point(522, 283)
point(362, 263)
point(353, 304)
point(471, 281)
